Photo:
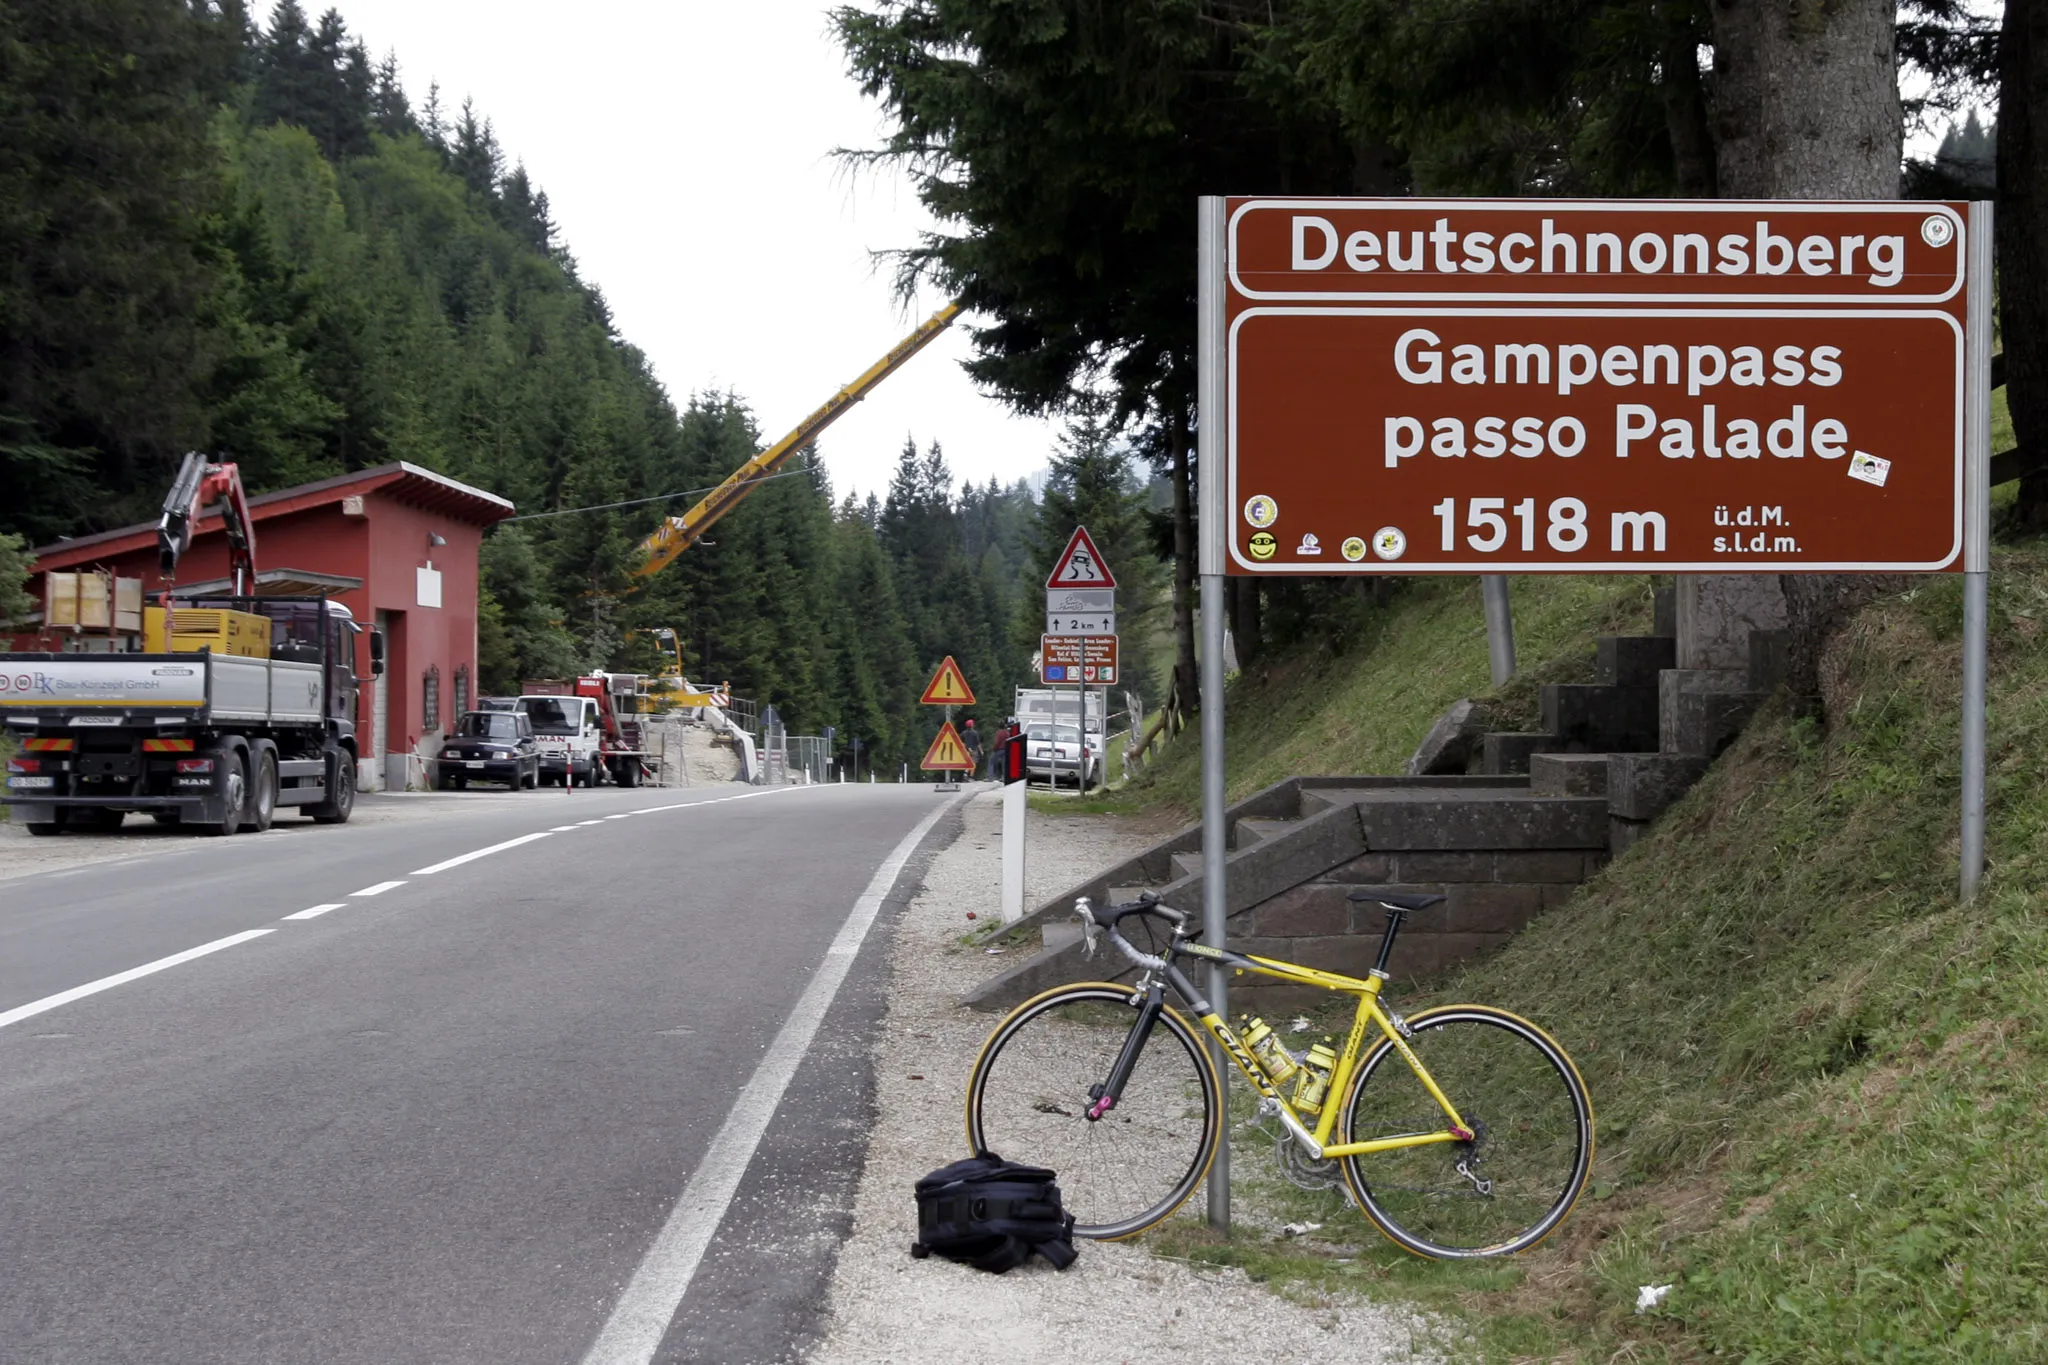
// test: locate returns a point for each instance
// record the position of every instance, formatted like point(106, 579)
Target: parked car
point(490, 746)
point(1054, 753)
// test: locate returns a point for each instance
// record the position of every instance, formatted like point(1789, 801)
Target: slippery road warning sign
point(948, 687)
point(1517, 386)
point(948, 753)
point(1080, 566)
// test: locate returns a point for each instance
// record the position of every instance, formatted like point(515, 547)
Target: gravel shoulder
point(1118, 1301)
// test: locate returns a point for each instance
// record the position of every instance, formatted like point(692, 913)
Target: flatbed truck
point(215, 740)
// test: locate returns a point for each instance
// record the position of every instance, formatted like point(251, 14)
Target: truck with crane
point(234, 707)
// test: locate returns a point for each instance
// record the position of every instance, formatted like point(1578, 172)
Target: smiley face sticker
point(1262, 544)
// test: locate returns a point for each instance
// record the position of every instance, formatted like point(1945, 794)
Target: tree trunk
point(2023, 235)
point(1187, 682)
point(1244, 618)
point(1806, 106)
point(1685, 109)
point(1806, 99)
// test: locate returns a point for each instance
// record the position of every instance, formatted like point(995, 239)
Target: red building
point(396, 545)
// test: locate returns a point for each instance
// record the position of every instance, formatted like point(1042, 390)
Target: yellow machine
point(677, 534)
point(187, 630)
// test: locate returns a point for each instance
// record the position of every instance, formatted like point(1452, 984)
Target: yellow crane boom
point(677, 534)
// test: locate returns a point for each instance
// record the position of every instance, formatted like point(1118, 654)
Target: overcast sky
point(685, 147)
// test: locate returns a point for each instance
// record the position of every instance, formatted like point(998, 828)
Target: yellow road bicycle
point(1459, 1131)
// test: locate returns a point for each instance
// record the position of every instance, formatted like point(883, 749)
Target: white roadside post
point(1013, 843)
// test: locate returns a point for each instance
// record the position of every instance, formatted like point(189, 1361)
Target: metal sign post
point(1410, 386)
point(1213, 449)
point(1976, 548)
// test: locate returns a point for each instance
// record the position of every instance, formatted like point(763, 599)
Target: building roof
point(277, 583)
point(402, 481)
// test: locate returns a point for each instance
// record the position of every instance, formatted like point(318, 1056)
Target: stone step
point(1513, 818)
point(1187, 864)
point(1508, 752)
point(1250, 832)
point(1643, 786)
point(1343, 791)
point(1597, 718)
point(1568, 774)
point(1701, 710)
point(1634, 660)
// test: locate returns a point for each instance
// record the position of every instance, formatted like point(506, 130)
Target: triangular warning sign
point(948, 752)
point(948, 687)
point(1081, 565)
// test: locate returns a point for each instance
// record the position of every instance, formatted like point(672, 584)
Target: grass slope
point(1364, 707)
point(1822, 1082)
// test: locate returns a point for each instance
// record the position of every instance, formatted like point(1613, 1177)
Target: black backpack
point(992, 1214)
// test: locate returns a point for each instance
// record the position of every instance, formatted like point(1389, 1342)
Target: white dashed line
point(314, 912)
point(581, 823)
point(563, 829)
point(50, 1002)
point(379, 889)
point(622, 815)
point(480, 853)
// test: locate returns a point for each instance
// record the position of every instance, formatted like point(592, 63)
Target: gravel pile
point(1118, 1302)
point(693, 755)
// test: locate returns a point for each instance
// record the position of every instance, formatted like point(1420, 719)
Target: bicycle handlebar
point(1105, 921)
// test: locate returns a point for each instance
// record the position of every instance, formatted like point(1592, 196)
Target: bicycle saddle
point(1398, 902)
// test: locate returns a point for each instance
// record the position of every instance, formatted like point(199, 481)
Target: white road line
point(50, 1002)
point(314, 912)
point(379, 889)
point(480, 853)
point(634, 1330)
point(563, 829)
point(581, 823)
point(624, 814)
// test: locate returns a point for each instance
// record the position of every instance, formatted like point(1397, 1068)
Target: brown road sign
point(1792, 400)
point(948, 687)
point(1077, 659)
point(948, 752)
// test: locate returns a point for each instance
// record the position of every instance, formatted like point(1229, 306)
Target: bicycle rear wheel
point(1028, 1097)
point(1500, 1193)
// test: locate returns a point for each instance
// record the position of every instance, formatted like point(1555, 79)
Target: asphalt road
point(453, 1118)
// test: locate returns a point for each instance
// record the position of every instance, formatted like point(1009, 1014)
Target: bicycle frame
point(1370, 1014)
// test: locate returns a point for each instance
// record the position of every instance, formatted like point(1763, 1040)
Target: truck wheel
point(234, 788)
point(341, 789)
point(627, 774)
point(263, 794)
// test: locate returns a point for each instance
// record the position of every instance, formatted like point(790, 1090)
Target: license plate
point(473, 763)
point(27, 783)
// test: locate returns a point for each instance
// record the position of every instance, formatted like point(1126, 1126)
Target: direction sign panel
point(1517, 386)
point(1077, 659)
point(948, 687)
point(1080, 623)
point(1079, 600)
point(948, 753)
point(1080, 565)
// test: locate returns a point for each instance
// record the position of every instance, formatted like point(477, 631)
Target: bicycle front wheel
point(1029, 1094)
point(1506, 1189)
